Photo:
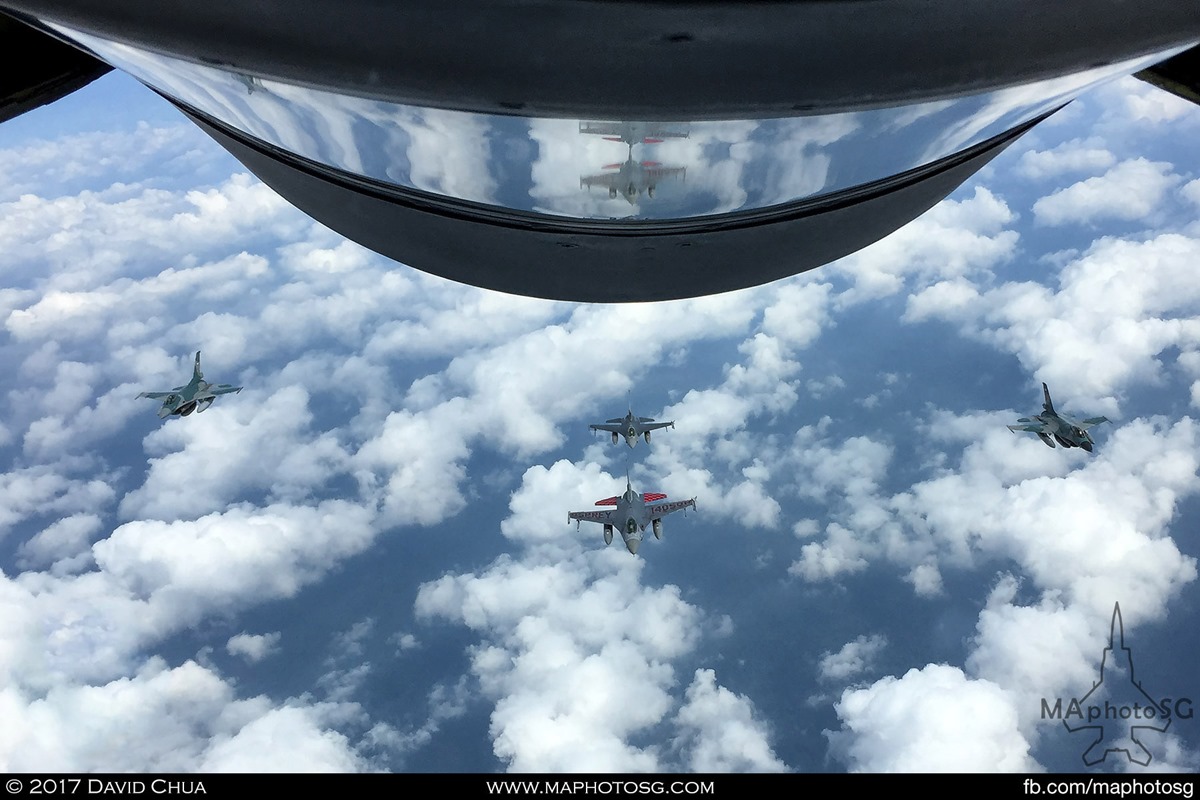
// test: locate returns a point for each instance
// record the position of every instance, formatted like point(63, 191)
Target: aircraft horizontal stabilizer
point(608, 501)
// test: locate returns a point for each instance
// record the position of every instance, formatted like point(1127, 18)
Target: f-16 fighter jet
point(197, 395)
point(631, 427)
point(632, 513)
point(1051, 427)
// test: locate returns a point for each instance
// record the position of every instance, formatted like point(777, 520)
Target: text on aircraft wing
point(651, 170)
point(666, 508)
point(591, 516)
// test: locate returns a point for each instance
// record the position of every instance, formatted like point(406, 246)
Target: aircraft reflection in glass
point(801, 171)
point(196, 395)
point(633, 512)
point(633, 177)
point(1052, 427)
point(631, 132)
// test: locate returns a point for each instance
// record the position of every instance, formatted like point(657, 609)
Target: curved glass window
point(597, 169)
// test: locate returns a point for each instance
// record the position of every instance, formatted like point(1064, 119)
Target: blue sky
point(361, 562)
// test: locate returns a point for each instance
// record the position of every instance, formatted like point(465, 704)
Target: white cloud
point(223, 559)
point(1132, 190)
point(182, 719)
point(855, 658)
point(40, 491)
point(721, 732)
point(64, 539)
point(1076, 155)
point(1119, 305)
point(253, 647)
point(207, 461)
point(956, 238)
point(1137, 103)
point(577, 653)
point(934, 719)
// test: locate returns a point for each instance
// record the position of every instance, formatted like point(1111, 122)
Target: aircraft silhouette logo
point(1124, 710)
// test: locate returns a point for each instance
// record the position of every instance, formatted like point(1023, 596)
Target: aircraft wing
point(1090, 421)
point(658, 173)
point(606, 179)
point(603, 128)
point(662, 509)
point(1032, 427)
point(608, 427)
point(590, 516)
point(625, 131)
point(653, 426)
point(155, 395)
point(225, 389)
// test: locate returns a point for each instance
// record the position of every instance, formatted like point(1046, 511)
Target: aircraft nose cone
point(632, 545)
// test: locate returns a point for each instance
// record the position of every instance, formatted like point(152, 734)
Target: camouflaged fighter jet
point(631, 427)
point(633, 513)
point(197, 395)
point(1051, 427)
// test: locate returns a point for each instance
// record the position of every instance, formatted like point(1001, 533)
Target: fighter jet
point(633, 513)
point(1052, 427)
point(197, 395)
point(632, 178)
point(631, 427)
point(632, 133)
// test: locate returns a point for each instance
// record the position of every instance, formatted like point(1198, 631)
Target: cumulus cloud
point(371, 408)
point(1074, 156)
point(1119, 305)
point(64, 539)
point(721, 732)
point(852, 660)
point(934, 719)
point(1132, 190)
point(577, 652)
point(253, 647)
point(955, 238)
point(161, 719)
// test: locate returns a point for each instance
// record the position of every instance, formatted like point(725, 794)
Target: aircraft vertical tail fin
point(1048, 405)
point(196, 373)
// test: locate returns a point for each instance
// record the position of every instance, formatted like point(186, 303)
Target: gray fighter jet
point(631, 132)
point(631, 427)
point(632, 513)
point(1051, 427)
point(197, 395)
point(632, 178)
